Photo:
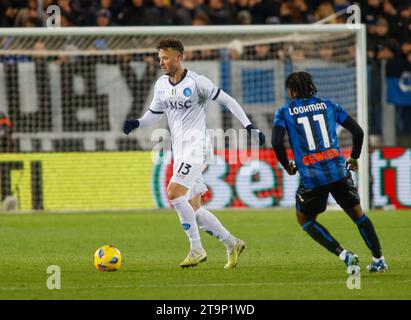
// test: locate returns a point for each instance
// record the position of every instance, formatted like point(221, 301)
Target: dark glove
point(130, 125)
point(261, 136)
point(352, 164)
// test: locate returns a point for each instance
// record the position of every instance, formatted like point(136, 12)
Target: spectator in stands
point(133, 14)
point(209, 54)
point(33, 22)
point(265, 11)
point(402, 28)
point(405, 10)
point(261, 11)
point(380, 45)
point(42, 61)
point(160, 14)
point(350, 53)
point(405, 49)
point(200, 19)
point(187, 10)
point(113, 6)
point(294, 12)
point(391, 14)
point(200, 3)
point(239, 5)
point(298, 55)
point(404, 32)
point(103, 18)
point(219, 13)
point(262, 52)
point(323, 11)
point(67, 11)
point(105, 4)
point(244, 17)
point(7, 14)
point(30, 17)
point(86, 12)
point(389, 9)
point(189, 55)
point(39, 45)
point(371, 11)
point(232, 6)
point(326, 52)
point(340, 5)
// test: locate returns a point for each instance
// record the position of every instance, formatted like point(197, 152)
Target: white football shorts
point(189, 175)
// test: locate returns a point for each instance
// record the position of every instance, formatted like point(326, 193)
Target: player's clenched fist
point(291, 168)
point(352, 164)
point(130, 125)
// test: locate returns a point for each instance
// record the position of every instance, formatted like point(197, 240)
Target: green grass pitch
point(280, 262)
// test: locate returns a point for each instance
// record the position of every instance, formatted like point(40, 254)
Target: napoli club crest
point(187, 92)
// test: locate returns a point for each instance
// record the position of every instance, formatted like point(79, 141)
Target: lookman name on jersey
point(307, 108)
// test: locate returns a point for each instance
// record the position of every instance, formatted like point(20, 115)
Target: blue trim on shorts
point(305, 225)
point(362, 219)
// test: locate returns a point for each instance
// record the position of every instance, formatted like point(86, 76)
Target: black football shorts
point(314, 201)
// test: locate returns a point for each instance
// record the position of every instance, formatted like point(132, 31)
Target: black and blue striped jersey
point(311, 125)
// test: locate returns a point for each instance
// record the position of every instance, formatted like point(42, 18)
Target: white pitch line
point(176, 285)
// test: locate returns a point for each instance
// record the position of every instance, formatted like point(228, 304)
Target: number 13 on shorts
point(184, 168)
point(185, 173)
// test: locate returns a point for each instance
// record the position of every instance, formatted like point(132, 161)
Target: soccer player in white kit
point(183, 95)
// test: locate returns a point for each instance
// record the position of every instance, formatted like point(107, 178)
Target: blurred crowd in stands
point(388, 21)
point(388, 25)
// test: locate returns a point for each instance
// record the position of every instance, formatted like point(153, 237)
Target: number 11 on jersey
point(309, 133)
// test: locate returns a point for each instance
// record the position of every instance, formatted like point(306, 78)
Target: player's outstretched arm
point(357, 140)
point(277, 141)
point(232, 105)
point(149, 118)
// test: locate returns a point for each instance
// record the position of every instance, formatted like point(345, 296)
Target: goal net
point(66, 93)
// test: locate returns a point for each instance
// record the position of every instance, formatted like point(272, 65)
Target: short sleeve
point(156, 105)
point(340, 113)
point(206, 88)
point(279, 119)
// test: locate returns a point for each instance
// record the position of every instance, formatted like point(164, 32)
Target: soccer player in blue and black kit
point(311, 126)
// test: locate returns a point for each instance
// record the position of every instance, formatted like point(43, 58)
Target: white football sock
point(210, 224)
point(188, 221)
point(342, 255)
point(377, 259)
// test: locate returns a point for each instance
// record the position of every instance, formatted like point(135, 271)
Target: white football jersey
point(184, 104)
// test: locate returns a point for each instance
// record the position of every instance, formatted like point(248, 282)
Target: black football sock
point(322, 236)
point(369, 235)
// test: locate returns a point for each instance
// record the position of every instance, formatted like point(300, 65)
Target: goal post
point(362, 103)
point(70, 89)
